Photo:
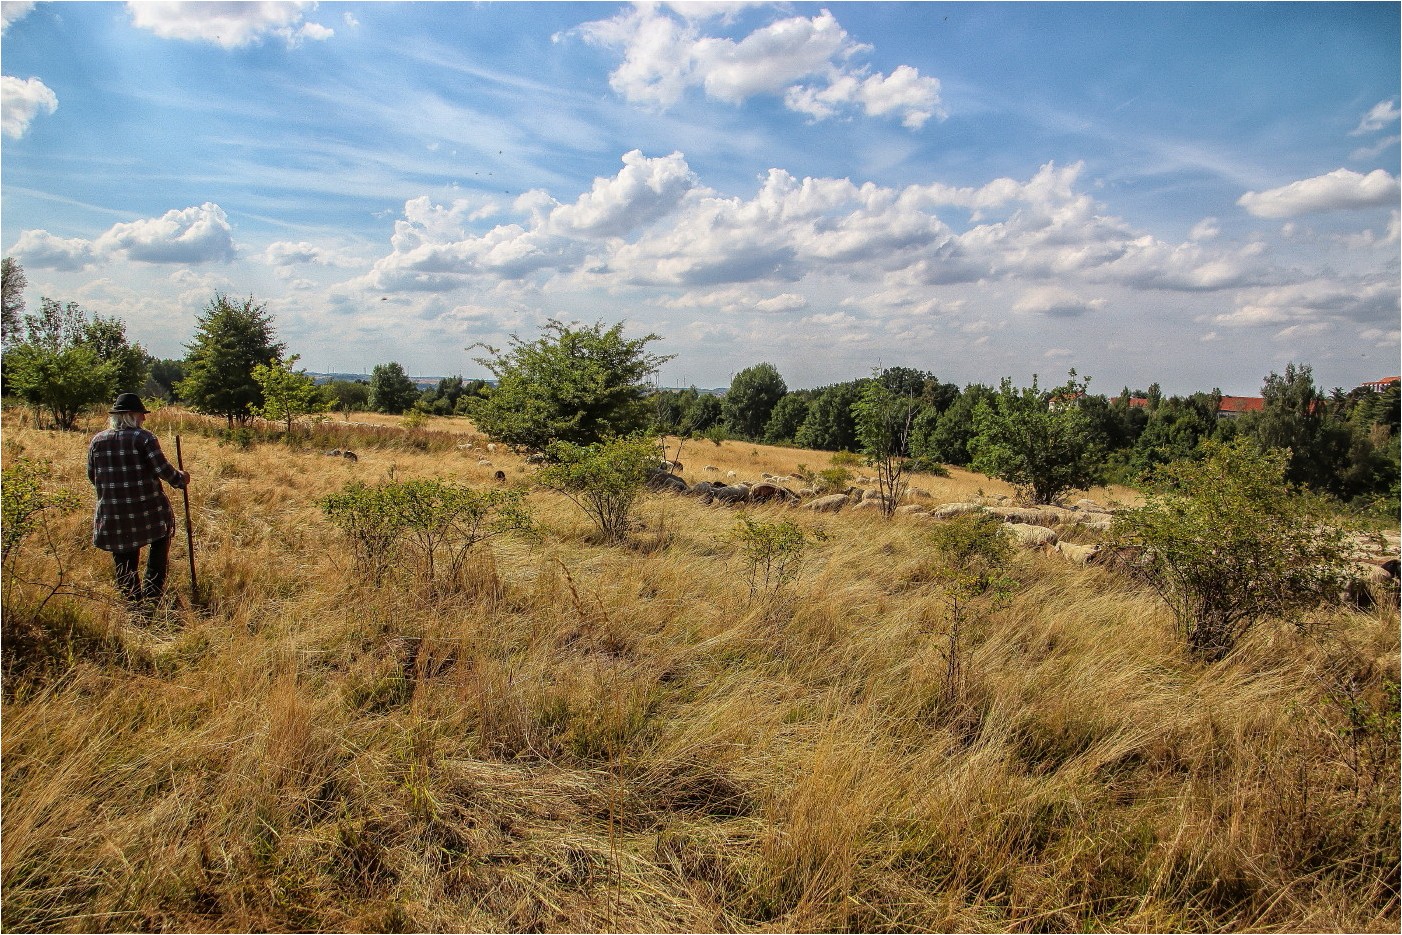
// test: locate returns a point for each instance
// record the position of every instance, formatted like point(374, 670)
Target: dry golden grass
point(583, 738)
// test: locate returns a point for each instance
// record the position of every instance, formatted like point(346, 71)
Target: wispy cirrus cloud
point(1381, 115)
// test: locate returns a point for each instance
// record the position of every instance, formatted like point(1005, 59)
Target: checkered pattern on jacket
point(127, 467)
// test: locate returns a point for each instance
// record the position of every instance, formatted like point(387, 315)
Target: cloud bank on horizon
point(828, 188)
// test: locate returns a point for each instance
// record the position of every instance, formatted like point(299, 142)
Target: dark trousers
point(155, 584)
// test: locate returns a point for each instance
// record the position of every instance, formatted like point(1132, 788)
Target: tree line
point(1341, 443)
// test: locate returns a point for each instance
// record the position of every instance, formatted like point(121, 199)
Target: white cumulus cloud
point(21, 100)
point(38, 249)
point(192, 235)
point(808, 62)
point(1056, 302)
point(1340, 190)
point(12, 11)
point(230, 25)
point(785, 302)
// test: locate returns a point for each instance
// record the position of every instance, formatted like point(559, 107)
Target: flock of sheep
point(1031, 527)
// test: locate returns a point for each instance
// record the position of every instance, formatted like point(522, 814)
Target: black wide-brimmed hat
point(127, 402)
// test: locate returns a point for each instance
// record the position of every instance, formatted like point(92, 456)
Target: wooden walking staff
point(189, 531)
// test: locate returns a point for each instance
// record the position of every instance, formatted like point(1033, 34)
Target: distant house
point(1233, 406)
point(1379, 386)
point(1229, 408)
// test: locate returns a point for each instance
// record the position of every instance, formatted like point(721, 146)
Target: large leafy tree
point(574, 383)
point(1043, 444)
point(753, 394)
point(830, 425)
point(68, 361)
point(788, 416)
point(391, 390)
point(231, 339)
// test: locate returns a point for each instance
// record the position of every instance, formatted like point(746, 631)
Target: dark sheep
point(661, 479)
point(763, 493)
point(349, 455)
point(499, 477)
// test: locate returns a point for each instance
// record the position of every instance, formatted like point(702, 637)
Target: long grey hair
point(124, 420)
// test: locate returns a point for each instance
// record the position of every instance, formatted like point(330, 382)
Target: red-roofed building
point(1379, 386)
point(1232, 406)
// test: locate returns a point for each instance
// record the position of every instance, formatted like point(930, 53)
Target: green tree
point(1228, 543)
point(68, 362)
point(787, 418)
point(288, 395)
point(577, 384)
point(884, 421)
point(391, 390)
point(703, 413)
point(12, 286)
point(1043, 444)
point(231, 338)
point(830, 425)
point(604, 479)
point(348, 395)
point(166, 373)
point(753, 394)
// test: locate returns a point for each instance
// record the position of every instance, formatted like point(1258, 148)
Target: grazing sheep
point(829, 504)
point(870, 502)
point(499, 477)
point(919, 493)
point(731, 475)
point(951, 510)
point(537, 457)
point(492, 447)
point(1030, 536)
point(732, 493)
point(673, 467)
point(334, 453)
point(349, 455)
point(763, 493)
point(662, 479)
point(711, 467)
point(464, 447)
point(483, 462)
point(1079, 554)
point(1372, 582)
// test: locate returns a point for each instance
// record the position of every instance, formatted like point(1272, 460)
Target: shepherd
point(126, 465)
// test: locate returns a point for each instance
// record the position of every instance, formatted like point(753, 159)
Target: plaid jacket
point(127, 467)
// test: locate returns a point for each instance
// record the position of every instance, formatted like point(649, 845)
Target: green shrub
point(432, 523)
point(773, 551)
point(604, 480)
point(1228, 543)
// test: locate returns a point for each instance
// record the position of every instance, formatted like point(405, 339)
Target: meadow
point(580, 737)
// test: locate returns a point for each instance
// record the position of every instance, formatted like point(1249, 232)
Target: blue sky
point(1193, 194)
